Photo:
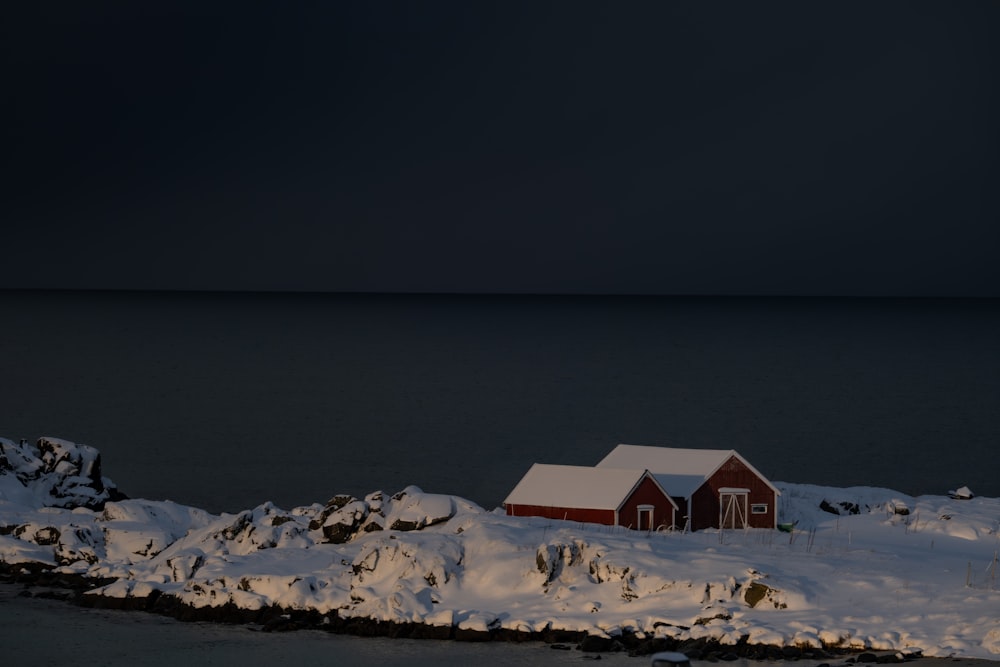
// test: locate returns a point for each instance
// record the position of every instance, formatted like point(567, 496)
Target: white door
point(645, 517)
point(733, 509)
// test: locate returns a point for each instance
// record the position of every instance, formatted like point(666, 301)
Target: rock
point(47, 536)
point(344, 522)
point(791, 652)
point(827, 507)
point(721, 616)
point(867, 657)
point(59, 472)
point(469, 635)
point(775, 653)
point(890, 658)
point(281, 624)
point(840, 508)
point(757, 592)
point(850, 508)
point(595, 644)
point(412, 509)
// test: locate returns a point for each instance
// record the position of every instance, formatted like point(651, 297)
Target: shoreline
point(73, 590)
point(875, 570)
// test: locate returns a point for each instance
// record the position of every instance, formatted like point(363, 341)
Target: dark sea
point(224, 401)
point(227, 400)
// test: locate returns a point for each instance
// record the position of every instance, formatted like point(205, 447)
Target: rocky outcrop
point(58, 473)
point(840, 508)
point(345, 517)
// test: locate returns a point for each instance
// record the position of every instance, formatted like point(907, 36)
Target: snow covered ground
point(888, 572)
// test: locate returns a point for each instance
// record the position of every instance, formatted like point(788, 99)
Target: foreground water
point(46, 632)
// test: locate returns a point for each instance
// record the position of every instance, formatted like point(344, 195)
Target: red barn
point(610, 496)
point(711, 487)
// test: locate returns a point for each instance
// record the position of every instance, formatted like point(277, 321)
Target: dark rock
point(47, 536)
point(867, 657)
point(400, 524)
point(561, 647)
point(827, 507)
point(754, 652)
point(514, 636)
point(281, 624)
point(722, 616)
point(338, 533)
point(551, 636)
point(850, 508)
point(729, 657)
point(775, 653)
point(890, 658)
point(338, 502)
point(756, 592)
point(595, 644)
point(791, 652)
point(432, 632)
point(640, 647)
point(693, 648)
point(466, 635)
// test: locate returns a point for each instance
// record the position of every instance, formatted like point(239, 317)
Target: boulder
point(756, 592)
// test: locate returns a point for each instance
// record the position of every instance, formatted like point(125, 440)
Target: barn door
point(733, 508)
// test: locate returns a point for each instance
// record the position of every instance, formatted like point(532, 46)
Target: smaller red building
point(713, 488)
point(609, 496)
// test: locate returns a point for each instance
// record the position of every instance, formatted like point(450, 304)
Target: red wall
point(647, 493)
point(606, 517)
point(735, 474)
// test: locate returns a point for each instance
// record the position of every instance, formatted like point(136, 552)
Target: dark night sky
point(674, 148)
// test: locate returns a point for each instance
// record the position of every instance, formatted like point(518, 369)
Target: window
point(758, 508)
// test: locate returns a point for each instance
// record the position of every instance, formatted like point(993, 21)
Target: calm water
point(227, 400)
point(43, 632)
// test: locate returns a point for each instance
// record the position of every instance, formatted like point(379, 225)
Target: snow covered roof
point(580, 487)
point(679, 471)
point(679, 485)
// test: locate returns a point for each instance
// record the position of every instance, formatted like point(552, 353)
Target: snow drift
point(863, 568)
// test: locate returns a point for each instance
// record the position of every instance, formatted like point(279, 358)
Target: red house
point(712, 487)
point(615, 497)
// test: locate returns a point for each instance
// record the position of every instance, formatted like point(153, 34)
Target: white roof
point(679, 471)
point(580, 487)
point(680, 485)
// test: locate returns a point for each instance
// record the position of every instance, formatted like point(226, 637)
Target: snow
point(876, 569)
point(679, 471)
point(548, 485)
point(680, 486)
point(700, 462)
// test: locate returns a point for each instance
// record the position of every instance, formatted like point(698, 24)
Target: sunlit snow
point(862, 568)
